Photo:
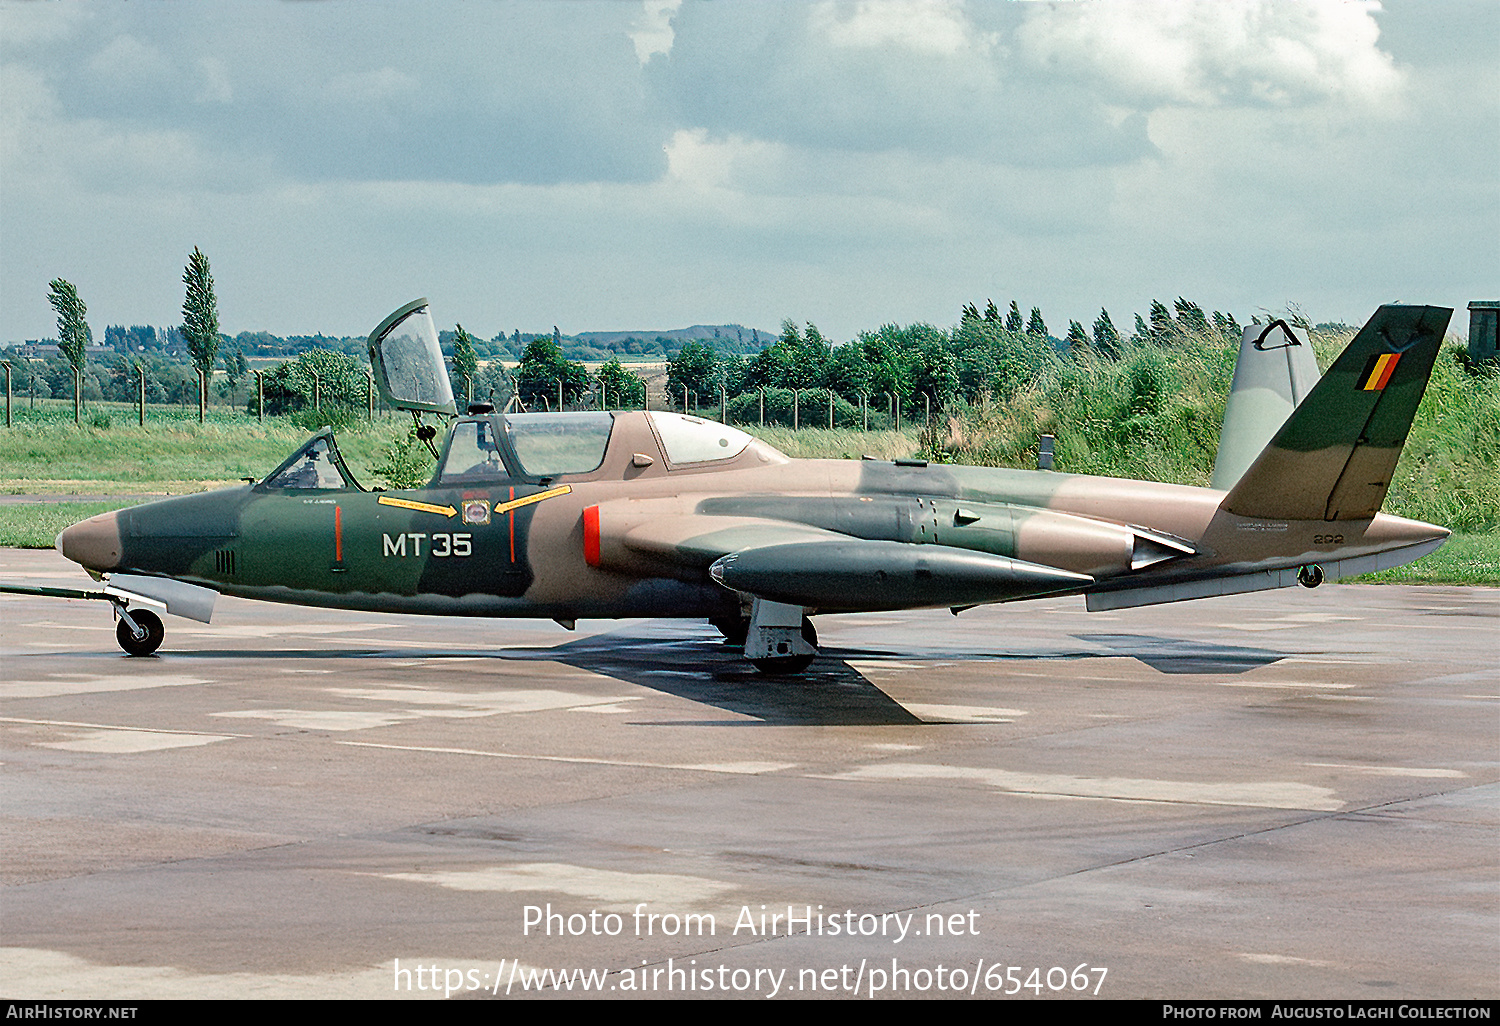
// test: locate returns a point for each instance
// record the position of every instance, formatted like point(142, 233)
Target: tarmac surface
point(1282, 795)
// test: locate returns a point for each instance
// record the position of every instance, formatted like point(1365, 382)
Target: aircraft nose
point(93, 543)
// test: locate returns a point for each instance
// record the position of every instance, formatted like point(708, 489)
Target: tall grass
point(127, 457)
point(1155, 414)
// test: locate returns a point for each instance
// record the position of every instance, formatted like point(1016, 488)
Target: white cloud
point(628, 166)
point(652, 33)
point(27, 25)
point(127, 59)
point(1209, 52)
point(926, 26)
point(370, 86)
point(216, 87)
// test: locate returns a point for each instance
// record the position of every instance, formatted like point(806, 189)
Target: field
point(111, 458)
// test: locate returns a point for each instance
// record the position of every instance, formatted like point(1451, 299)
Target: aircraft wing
point(816, 568)
point(694, 540)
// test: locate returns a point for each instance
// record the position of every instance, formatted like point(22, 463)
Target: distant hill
point(696, 333)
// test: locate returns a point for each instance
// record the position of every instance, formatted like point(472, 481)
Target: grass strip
point(34, 525)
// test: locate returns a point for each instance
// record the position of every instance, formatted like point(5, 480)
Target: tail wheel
point(148, 640)
point(780, 665)
point(1310, 576)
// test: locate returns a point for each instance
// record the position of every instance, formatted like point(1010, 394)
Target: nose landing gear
point(140, 632)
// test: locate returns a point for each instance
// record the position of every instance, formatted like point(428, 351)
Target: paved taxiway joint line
point(747, 770)
point(1314, 817)
point(1073, 795)
point(113, 726)
point(1022, 885)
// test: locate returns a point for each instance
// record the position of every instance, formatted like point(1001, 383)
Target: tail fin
point(1334, 456)
point(1275, 371)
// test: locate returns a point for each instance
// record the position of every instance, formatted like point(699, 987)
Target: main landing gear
point(787, 664)
point(139, 631)
point(777, 638)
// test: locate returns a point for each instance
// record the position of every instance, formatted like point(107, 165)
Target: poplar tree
point(1226, 325)
point(1190, 316)
point(1077, 337)
point(1036, 326)
point(73, 335)
point(465, 360)
point(1013, 319)
point(1162, 325)
point(200, 313)
point(1106, 338)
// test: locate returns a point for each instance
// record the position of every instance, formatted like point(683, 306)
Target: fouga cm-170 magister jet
point(654, 514)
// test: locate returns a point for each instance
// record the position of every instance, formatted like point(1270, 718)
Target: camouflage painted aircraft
point(655, 514)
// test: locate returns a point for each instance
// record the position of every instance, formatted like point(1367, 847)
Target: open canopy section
point(408, 363)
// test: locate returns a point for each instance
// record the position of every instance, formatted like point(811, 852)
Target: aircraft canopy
point(408, 364)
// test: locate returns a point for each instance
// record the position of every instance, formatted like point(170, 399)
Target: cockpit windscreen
point(550, 444)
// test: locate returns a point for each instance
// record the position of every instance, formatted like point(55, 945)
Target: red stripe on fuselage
point(591, 535)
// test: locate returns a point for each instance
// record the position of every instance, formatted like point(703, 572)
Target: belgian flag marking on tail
point(1378, 371)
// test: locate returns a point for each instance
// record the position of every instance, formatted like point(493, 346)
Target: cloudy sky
point(618, 165)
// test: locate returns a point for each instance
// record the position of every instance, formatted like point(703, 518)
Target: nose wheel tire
point(151, 635)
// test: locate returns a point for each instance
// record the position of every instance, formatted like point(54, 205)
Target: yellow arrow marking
point(420, 507)
point(550, 493)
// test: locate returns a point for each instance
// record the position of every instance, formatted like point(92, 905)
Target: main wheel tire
point(783, 665)
point(150, 641)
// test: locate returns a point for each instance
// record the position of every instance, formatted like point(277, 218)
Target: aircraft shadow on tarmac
point(700, 667)
point(691, 661)
point(1174, 655)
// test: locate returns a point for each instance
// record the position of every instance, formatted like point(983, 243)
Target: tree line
point(919, 368)
point(895, 371)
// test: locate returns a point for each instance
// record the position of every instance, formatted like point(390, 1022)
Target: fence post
point(1046, 450)
point(927, 406)
point(260, 396)
point(762, 407)
point(864, 412)
point(369, 394)
point(796, 412)
point(7, 393)
point(723, 403)
point(140, 401)
point(77, 397)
